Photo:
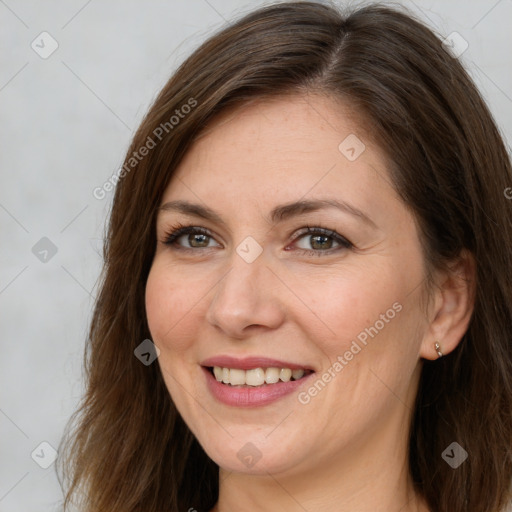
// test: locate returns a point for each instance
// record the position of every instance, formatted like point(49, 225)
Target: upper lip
point(249, 363)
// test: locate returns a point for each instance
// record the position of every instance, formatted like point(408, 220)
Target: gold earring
point(438, 349)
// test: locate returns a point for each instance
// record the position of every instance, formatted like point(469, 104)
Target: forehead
point(283, 149)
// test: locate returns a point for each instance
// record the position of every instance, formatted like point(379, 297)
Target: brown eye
point(197, 238)
point(321, 240)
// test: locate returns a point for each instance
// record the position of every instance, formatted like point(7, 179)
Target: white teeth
point(217, 371)
point(272, 375)
point(285, 374)
point(256, 376)
point(297, 374)
point(236, 377)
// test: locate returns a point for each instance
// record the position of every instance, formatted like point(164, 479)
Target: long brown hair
point(127, 448)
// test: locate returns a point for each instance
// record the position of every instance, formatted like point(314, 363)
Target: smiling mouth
point(256, 377)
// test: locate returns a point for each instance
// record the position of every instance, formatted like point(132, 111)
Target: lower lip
point(251, 396)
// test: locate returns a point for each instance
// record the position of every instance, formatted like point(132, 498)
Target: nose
point(246, 298)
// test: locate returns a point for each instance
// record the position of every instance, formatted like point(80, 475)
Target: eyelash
point(179, 230)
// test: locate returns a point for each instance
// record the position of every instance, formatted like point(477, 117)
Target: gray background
point(66, 123)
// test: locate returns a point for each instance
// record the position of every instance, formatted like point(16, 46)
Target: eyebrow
point(278, 214)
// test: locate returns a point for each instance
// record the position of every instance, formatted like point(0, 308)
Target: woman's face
point(342, 300)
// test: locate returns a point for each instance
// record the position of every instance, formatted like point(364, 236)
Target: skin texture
point(347, 448)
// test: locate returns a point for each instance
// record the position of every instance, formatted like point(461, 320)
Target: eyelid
point(342, 240)
point(178, 230)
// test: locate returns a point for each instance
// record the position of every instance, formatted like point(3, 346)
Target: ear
point(453, 305)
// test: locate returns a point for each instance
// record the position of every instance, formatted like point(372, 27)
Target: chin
point(253, 453)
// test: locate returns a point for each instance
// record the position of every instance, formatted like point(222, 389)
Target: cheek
point(344, 303)
point(372, 321)
point(170, 300)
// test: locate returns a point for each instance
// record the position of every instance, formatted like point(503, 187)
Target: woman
point(307, 287)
